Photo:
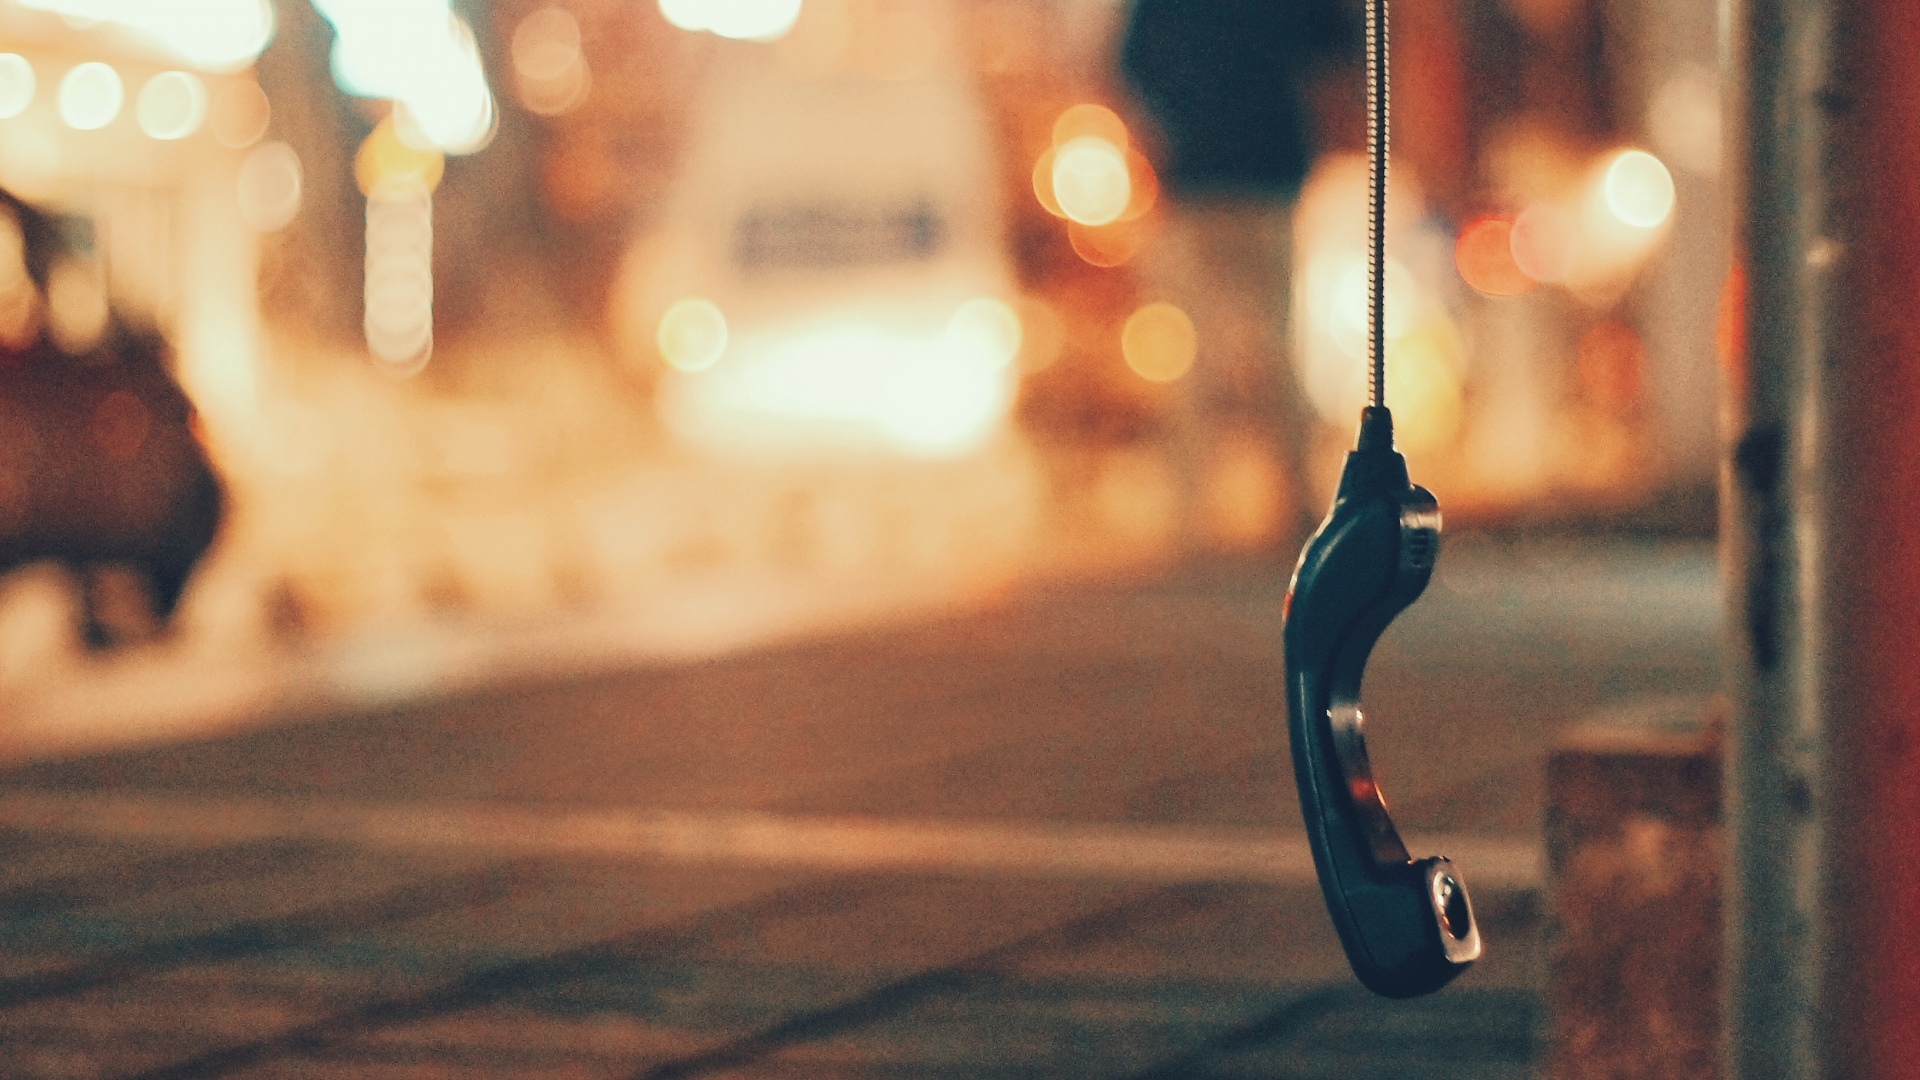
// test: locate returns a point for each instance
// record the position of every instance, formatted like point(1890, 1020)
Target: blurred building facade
point(850, 294)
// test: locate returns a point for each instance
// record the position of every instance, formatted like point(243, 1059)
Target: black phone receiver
point(1406, 924)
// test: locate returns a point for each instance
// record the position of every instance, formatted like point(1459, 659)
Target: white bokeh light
point(1639, 189)
point(742, 20)
point(172, 105)
point(213, 35)
point(422, 56)
point(17, 85)
point(1090, 181)
point(90, 96)
point(269, 187)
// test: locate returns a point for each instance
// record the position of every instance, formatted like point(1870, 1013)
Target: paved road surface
point(1054, 839)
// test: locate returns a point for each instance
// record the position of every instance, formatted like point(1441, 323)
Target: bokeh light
point(239, 114)
point(692, 334)
point(212, 35)
point(399, 282)
point(1639, 189)
point(1423, 387)
point(17, 85)
point(1144, 184)
point(269, 187)
point(387, 167)
point(1484, 256)
point(423, 57)
point(550, 67)
point(1090, 121)
point(1091, 181)
point(1683, 119)
point(839, 382)
point(986, 330)
point(1158, 342)
point(172, 105)
point(1107, 245)
point(1043, 183)
point(1347, 318)
point(1546, 242)
point(91, 96)
point(742, 20)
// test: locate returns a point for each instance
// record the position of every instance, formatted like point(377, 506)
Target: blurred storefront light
point(212, 35)
point(742, 20)
point(17, 85)
point(423, 57)
point(846, 381)
point(172, 105)
point(90, 96)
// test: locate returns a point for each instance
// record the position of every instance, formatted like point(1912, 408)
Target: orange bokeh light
point(1145, 187)
point(1088, 120)
point(1484, 256)
point(1107, 245)
point(1158, 342)
point(1043, 184)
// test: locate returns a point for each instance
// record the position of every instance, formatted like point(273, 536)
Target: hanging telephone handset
point(1406, 924)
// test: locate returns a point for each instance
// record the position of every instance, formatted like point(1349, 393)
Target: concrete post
point(1820, 517)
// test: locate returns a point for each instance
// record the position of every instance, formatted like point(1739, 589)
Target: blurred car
point(100, 468)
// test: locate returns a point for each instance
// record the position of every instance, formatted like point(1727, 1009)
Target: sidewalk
point(1051, 837)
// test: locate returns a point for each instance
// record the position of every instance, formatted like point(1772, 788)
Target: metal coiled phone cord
point(1377, 94)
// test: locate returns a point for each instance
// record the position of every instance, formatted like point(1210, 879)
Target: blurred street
point(1051, 837)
